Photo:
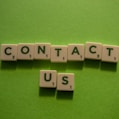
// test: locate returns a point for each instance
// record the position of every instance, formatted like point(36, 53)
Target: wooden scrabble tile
point(42, 51)
point(110, 53)
point(58, 53)
point(65, 82)
point(8, 52)
point(25, 51)
point(75, 52)
point(93, 51)
point(48, 78)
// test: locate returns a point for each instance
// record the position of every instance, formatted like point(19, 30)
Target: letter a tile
point(75, 52)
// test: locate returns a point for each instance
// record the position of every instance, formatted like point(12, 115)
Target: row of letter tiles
point(59, 53)
point(52, 79)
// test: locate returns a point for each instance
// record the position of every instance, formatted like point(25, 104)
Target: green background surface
point(59, 22)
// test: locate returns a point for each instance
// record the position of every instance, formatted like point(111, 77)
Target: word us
point(59, 53)
point(60, 81)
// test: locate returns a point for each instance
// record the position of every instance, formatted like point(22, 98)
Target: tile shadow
point(8, 65)
point(68, 95)
point(24, 64)
point(47, 92)
point(41, 64)
point(92, 63)
point(77, 65)
point(58, 66)
point(107, 66)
